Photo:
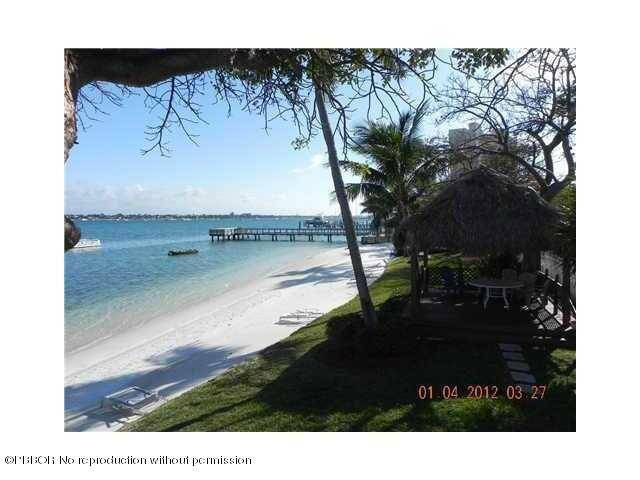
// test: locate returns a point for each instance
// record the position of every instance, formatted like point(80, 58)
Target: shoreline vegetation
point(318, 380)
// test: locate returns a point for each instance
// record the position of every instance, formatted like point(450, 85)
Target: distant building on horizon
point(467, 144)
point(467, 141)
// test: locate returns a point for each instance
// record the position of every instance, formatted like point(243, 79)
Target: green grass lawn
point(318, 379)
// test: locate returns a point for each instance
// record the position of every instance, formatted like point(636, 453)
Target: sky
point(236, 166)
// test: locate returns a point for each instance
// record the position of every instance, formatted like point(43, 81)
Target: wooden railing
point(554, 291)
point(433, 278)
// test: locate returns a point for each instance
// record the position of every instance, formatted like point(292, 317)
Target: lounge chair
point(129, 400)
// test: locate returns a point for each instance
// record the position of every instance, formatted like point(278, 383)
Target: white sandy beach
point(176, 352)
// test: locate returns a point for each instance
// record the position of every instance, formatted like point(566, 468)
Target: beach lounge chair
point(299, 317)
point(129, 400)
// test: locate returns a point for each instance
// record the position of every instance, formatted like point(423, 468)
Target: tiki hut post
point(425, 267)
point(531, 261)
point(566, 293)
point(415, 267)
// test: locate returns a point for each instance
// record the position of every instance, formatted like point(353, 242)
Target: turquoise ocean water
point(131, 279)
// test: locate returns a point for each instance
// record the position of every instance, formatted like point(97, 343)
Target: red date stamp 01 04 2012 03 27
point(511, 392)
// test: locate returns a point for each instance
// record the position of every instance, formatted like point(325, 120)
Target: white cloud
point(192, 192)
point(246, 198)
point(318, 160)
point(133, 199)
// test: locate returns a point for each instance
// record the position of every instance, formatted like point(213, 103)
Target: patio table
point(496, 288)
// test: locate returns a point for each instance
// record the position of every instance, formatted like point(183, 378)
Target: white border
point(32, 194)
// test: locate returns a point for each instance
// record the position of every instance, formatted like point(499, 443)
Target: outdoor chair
point(529, 289)
point(541, 300)
point(509, 274)
point(461, 284)
point(449, 281)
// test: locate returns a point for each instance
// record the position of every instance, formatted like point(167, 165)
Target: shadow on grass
point(334, 376)
point(334, 386)
point(557, 370)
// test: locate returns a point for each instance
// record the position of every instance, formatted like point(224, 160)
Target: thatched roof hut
point(484, 212)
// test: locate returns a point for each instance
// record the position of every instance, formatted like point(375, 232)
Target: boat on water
point(316, 222)
point(182, 252)
point(88, 243)
point(369, 239)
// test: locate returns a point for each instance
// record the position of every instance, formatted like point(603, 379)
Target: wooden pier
point(290, 234)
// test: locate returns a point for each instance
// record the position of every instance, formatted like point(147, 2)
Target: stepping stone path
point(510, 347)
point(513, 356)
point(518, 366)
point(523, 377)
point(521, 366)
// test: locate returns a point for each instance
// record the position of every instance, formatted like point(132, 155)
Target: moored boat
point(316, 222)
point(182, 252)
point(88, 243)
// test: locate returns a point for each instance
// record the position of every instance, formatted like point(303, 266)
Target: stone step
point(523, 377)
point(516, 365)
point(513, 356)
point(510, 347)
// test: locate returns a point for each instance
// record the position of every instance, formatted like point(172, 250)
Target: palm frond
point(364, 189)
point(366, 172)
point(418, 119)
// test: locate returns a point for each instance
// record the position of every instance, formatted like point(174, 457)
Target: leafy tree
point(528, 108)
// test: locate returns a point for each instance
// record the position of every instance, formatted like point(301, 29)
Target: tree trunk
point(71, 234)
point(368, 311)
point(71, 87)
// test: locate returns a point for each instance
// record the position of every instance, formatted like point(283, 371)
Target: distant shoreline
point(149, 216)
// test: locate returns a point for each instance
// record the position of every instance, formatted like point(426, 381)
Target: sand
point(177, 352)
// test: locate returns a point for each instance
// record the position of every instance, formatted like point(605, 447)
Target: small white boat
point(88, 243)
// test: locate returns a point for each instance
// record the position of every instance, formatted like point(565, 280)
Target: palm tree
point(368, 310)
point(401, 166)
point(380, 210)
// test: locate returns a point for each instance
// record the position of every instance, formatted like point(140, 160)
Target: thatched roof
point(485, 212)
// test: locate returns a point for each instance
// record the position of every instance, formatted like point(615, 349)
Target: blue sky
point(236, 167)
